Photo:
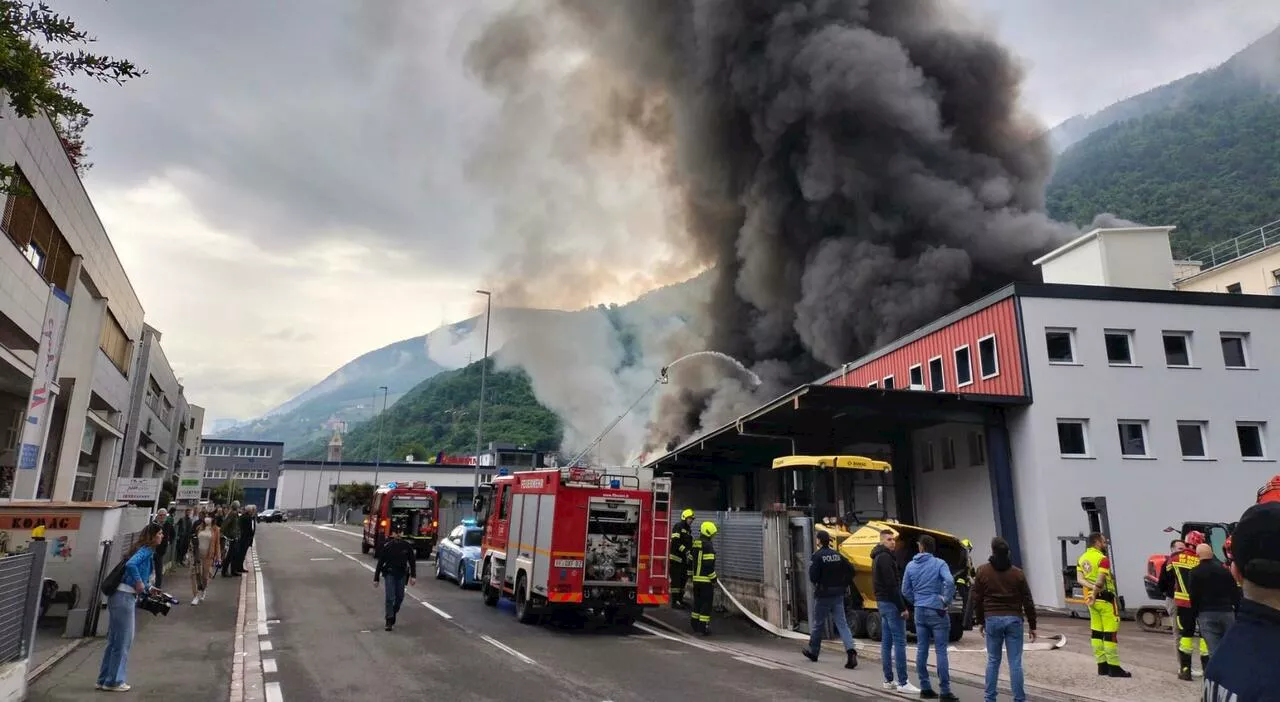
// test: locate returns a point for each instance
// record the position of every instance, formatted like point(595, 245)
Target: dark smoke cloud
point(850, 168)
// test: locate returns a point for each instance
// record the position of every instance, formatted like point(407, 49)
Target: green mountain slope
point(440, 415)
point(1212, 169)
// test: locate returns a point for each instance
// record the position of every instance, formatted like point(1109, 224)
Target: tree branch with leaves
point(39, 50)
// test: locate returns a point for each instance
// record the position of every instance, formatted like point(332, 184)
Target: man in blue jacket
point(929, 586)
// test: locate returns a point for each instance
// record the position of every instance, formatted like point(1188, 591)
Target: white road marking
point(264, 646)
point(756, 662)
point(269, 665)
point(508, 649)
point(322, 559)
point(664, 635)
point(436, 609)
point(261, 593)
point(272, 690)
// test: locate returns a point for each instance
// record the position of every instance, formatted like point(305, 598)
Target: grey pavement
point(328, 642)
point(185, 656)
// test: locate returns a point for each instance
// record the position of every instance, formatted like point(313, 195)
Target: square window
point(949, 454)
point(1060, 345)
point(1235, 352)
point(1235, 289)
point(1250, 435)
point(1072, 439)
point(1133, 438)
point(871, 384)
point(917, 375)
point(937, 382)
point(964, 367)
point(1119, 347)
point(977, 450)
point(887, 383)
point(1191, 439)
point(926, 457)
point(988, 357)
point(1177, 349)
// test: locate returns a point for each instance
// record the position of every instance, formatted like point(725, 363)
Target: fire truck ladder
point(661, 528)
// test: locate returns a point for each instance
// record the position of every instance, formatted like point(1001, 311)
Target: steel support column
point(1003, 501)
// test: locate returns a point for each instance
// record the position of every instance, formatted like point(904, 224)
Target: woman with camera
point(205, 550)
point(135, 580)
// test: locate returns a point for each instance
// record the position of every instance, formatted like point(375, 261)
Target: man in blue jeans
point(1001, 598)
point(832, 576)
point(928, 585)
point(397, 561)
point(887, 581)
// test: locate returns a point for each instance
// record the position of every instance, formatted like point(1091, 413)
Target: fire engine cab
point(575, 539)
point(412, 508)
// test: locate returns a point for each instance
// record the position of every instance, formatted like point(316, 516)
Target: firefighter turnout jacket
point(681, 543)
point(703, 567)
point(1176, 575)
point(1094, 562)
point(830, 573)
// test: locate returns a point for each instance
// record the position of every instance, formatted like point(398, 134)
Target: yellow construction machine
point(856, 534)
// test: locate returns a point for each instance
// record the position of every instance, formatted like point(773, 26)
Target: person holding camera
point(135, 580)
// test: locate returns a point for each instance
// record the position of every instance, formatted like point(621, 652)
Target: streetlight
point(484, 367)
point(377, 457)
point(333, 516)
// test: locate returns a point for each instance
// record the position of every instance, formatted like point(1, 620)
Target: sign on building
point(36, 426)
point(191, 479)
point(138, 489)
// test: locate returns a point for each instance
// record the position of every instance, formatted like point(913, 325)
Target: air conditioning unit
point(916, 386)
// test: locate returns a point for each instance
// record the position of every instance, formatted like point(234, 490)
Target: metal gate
point(21, 576)
point(739, 542)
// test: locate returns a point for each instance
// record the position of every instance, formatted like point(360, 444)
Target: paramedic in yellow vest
point(1176, 571)
point(702, 571)
point(678, 558)
point(1093, 571)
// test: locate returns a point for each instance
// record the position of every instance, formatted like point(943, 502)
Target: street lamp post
point(484, 368)
point(333, 516)
point(377, 457)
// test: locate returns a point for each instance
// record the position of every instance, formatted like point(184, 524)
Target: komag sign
point(66, 522)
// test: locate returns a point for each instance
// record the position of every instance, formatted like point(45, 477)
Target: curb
point(66, 650)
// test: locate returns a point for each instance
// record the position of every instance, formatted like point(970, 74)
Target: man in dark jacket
point(886, 579)
point(248, 525)
point(231, 530)
point(397, 561)
point(1243, 667)
point(831, 575)
point(1000, 599)
point(1214, 597)
point(165, 520)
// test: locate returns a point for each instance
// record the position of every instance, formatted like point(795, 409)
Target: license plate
point(567, 563)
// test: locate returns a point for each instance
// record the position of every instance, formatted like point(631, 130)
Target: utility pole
point(377, 458)
point(484, 368)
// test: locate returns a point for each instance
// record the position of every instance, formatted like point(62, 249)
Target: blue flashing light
point(391, 485)
point(615, 484)
point(469, 521)
point(502, 471)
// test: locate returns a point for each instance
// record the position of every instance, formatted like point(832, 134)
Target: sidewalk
point(187, 655)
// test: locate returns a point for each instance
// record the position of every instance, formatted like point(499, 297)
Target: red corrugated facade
point(998, 319)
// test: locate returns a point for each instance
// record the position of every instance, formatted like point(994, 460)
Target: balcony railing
point(1227, 251)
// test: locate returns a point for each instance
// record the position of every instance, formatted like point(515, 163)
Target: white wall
point(1144, 495)
point(1255, 274)
point(957, 501)
point(296, 487)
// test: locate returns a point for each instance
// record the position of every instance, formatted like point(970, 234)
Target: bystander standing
point(929, 586)
point(1001, 598)
point(1214, 597)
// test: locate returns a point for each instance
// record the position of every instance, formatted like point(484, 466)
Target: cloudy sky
point(288, 186)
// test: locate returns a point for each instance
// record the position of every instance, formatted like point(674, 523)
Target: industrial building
point(1001, 416)
point(253, 466)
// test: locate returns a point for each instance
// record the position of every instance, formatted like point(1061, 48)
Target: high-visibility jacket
point(704, 561)
point(681, 543)
point(1091, 563)
point(1178, 569)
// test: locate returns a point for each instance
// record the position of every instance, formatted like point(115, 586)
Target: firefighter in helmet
point(678, 559)
point(1174, 578)
point(702, 570)
point(1093, 571)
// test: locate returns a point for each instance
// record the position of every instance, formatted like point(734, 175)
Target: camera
point(157, 602)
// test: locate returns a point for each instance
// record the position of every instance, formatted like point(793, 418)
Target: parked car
point(459, 554)
point(273, 515)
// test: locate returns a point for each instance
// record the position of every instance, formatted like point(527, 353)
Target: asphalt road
point(327, 642)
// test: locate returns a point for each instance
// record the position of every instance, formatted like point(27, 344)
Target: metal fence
point(739, 542)
point(21, 576)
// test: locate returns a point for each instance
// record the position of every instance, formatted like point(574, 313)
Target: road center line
point(498, 644)
point(664, 635)
point(436, 609)
point(273, 693)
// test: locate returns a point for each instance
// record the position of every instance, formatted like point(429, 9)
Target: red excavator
point(1217, 535)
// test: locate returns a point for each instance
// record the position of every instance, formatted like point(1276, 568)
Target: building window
point(1119, 347)
point(1072, 438)
point(32, 230)
point(214, 450)
point(34, 256)
point(253, 474)
point(977, 449)
point(917, 376)
point(1191, 439)
point(1275, 277)
point(1235, 351)
point(253, 452)
point(937, 382)
point(116, 344)
point(949, 454)
point(1177, 349)
point(1251, 436)
point(964, 366)
point(1061, 345)
point(872, 384)
point(926, 457)
point(988, 357)
point(1133, 438)
point(1235, 289)
point(887, 383)
point(215, 474)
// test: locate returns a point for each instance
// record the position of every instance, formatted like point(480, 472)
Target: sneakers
point(928, 695)
point(809, 654)
point(195, 600)
point(949, 697)
point(122, 687)
point(907, 689)
point(889, 685)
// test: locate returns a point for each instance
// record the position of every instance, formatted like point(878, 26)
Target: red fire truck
point(412, 507)
point(575, 539)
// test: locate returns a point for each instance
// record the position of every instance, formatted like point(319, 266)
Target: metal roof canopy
point(823, 418)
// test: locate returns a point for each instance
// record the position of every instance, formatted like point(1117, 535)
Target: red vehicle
point(412, 507)
point(575, 539)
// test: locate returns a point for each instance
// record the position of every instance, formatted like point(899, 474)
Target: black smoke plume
point(851, 169)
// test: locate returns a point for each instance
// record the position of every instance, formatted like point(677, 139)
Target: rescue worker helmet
point(1194, 538)
point(708, 529)
point(687, 514)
